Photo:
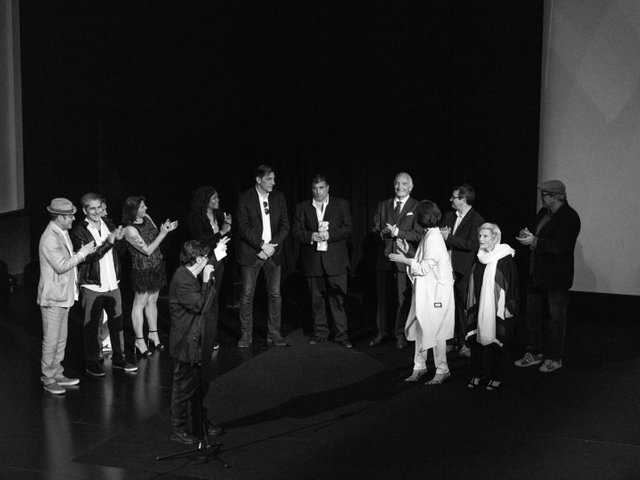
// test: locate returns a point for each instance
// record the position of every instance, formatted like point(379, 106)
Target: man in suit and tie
point(323, 226)
point(460, 233)
point(262, 225)
point(394, 219)
point(57, 291)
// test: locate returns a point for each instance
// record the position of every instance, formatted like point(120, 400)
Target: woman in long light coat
point(431, 319)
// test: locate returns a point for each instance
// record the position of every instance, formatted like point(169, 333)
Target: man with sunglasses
point(552, 245)
point(262, 224)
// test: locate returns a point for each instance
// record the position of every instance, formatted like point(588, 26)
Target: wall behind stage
point(129, 97)
point(590, 129)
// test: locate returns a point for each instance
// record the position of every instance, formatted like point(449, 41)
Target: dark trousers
point(331, 291)
point(218, 274)
point(249, 276)
point(547, 321)
point(460, 297)
point(486, 360)
point(394, 301)
point(185, 398)
point(93, 304)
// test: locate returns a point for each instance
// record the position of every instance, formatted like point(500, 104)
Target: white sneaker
point(54, 388)
point(529, 360)
point(550, 365)
point(67, 382)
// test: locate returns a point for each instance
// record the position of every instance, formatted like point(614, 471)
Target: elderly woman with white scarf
point(431, 319)
point(491, 300)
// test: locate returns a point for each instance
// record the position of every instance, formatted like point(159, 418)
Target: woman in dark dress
point(208, 224)
point(491, 301)
point(148, 272)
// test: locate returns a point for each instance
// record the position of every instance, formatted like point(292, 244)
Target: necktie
point(396, 211)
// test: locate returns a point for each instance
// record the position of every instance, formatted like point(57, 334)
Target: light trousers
point(439, 356)
point(54, 341)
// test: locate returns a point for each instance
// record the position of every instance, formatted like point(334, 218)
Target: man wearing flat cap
point(57, 291)
point(552, 245)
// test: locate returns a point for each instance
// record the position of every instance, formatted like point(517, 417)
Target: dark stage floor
point(325, 412)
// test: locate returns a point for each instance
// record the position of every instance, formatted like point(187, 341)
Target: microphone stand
point(204, 450)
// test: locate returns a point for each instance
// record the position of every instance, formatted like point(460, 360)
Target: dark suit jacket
point(305, 222)
point(200, 228)
point(552, 259)
point(186, 301)
point(248, 223)
point(408, 227)
point(464, 244)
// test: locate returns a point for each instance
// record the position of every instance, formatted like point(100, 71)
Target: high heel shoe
point(144, 354)
point(156, 346)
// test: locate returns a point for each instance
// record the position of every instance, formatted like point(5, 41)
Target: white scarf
point(487, 304)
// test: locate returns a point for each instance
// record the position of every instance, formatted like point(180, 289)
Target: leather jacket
point(89, 269)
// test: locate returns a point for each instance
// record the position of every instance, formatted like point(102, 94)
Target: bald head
point(402, 185)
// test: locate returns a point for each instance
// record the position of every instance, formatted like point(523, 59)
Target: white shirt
point(321, 207)
point(459, 217)
point(266, 219)
point(108, 278)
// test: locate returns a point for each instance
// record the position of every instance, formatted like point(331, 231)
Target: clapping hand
point(88, 249)
point(403, 245)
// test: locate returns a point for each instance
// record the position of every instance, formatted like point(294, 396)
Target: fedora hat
point(61, 206)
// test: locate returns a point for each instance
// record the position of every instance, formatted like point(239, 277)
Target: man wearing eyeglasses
point(552, 244)
point(263, 225)
point(460, 233)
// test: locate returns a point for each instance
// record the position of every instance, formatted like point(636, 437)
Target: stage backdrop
point(590, 133)
point(150, 98)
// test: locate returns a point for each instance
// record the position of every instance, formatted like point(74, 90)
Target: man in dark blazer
point(550, 276)
point(323, 226)
point(262, 225)
point(394, 219)
point(191, 341)
point(460, 233)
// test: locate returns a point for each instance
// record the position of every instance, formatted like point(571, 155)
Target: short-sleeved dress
point(148, 271)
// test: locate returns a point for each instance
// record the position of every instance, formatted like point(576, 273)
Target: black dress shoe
point(182, 436)
point(315, 340)
point(214, 431)
point(378, 340)
point(346, 343)
point(278, 342)
point(401, 342)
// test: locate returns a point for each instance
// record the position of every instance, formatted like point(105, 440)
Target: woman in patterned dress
point(148, 273)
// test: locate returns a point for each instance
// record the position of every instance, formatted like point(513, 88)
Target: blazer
point(552, 262)
point(408, 227)
point(248, 222)
point(335, 260)
point(57, 286)
point(464, 243)
point(200, 228)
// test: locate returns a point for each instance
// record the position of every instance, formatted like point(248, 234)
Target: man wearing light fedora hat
point(552, 243)
point(57, 291)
